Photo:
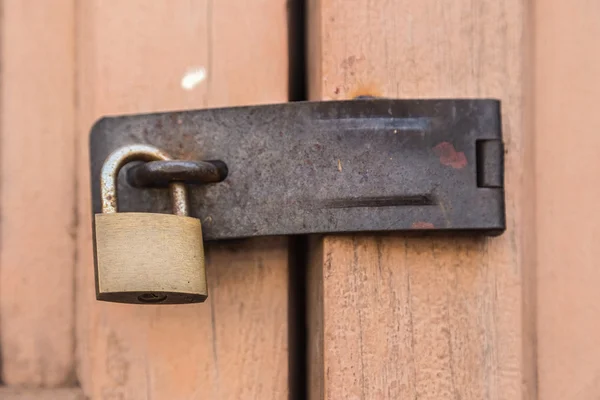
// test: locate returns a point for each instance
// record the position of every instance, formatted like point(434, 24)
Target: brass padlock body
point(149, 258)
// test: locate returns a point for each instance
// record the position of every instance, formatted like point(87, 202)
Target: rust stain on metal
point(422, 225)
point(183, 147)
point(449, 156)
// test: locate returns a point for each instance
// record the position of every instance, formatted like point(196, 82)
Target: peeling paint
point(422, 225)
point(193, 77)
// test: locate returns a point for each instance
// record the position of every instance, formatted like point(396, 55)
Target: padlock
point(146, 257)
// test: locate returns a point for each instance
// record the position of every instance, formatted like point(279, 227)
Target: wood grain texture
point(37, 193)
point(132, 56)
point(425, 318)
point(567, 64)
point(41, 394)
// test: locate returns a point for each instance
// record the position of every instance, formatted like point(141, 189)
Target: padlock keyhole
point(152, 297)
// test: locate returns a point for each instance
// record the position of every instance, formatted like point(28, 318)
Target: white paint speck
point(193, 77)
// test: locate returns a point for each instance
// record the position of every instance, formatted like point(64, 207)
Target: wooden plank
point(41, 394)
point(566, 121)
point(397, 317)
point(37, 199)
point(132, 57)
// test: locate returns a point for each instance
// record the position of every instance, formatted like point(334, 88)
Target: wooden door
point(399, 317)
point(386, 316)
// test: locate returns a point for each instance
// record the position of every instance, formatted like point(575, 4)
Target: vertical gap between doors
point(298, 245)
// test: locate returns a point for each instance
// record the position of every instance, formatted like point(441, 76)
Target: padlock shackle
point(135, 152)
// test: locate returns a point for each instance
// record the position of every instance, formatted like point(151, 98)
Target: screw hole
point(152, 297)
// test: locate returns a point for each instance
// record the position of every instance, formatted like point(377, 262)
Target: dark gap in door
point(297, 76)
point(298, 245)
point(298, 334)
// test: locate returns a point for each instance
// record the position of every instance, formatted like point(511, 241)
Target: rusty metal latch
point(316, 167)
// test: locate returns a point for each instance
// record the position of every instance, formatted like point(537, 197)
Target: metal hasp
point(316, 167)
